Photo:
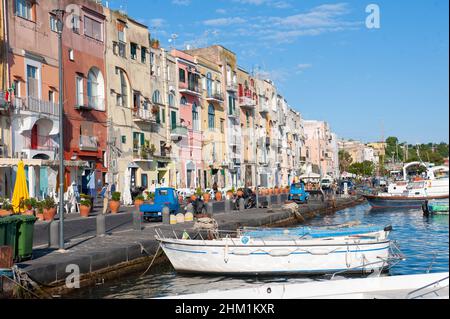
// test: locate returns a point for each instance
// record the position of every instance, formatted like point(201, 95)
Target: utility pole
point(60, 25)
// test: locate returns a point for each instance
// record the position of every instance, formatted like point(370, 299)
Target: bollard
point(54, 234)
point(279, 202)
point(166, 215)
point(137, 220)
point(241, 204)
point(101, 225)
point(269, 201)
point(190, 208)
point(209, 209)
point(227, 206)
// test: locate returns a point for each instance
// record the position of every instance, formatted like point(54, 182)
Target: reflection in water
point(424, 241)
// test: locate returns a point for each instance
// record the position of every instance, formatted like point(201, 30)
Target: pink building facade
point(190, 92)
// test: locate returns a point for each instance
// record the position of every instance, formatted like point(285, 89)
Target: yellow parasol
point(20, 189)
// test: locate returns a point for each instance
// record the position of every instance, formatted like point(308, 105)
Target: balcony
point(89, 102)
point(40, 143)
point(88, 143)
point(215, 97)
point(35, 105)
point(234, 113)
point(232, 87)
point(178, 133)
point(247, 102)
point(264, 107)
point(142, 154)
point(144, 116)
point(191, 90)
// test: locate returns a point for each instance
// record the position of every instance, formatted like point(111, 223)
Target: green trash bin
point(3, 225)
point(12, 223)
point(25, 233)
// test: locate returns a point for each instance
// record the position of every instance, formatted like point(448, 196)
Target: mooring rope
point(153, 260)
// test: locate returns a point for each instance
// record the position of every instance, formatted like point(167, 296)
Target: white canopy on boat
point(310, 176)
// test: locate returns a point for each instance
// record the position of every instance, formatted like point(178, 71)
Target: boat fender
point(280, 253)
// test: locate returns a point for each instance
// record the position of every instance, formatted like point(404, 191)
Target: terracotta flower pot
point(229, 195)
point(85, 210)
point(193, 198)
point(276, 191)
point(49, 214)
point(40, 217)
point(206, 197)
point(114, 206)
point(29, 212)
point(138, 203)
point(218, 196)
point(270, 191)
point(4, 213)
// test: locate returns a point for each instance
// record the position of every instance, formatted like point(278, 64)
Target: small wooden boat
point(428, 286)
point(245, 255)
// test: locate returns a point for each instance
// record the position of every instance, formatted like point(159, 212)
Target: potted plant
point(240, 192)
point(230, 193)
point(6, 208)
point(29, 205)
point(154, 43)
point(40, 210)
point(114, 203)
point(85, 207)
point(218, 196)
point(49, 208)
point(138, 201)
point(150, 197)
point(87, 198)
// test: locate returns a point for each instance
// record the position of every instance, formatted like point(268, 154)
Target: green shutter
point(174, 120)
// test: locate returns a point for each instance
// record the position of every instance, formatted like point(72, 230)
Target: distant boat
point(245, 255)
point(427, 286)
point(436, 207)
point(415, 193)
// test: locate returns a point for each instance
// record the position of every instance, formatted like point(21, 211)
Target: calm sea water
point(424, 242)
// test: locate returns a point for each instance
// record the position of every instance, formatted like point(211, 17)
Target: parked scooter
point(249, 199)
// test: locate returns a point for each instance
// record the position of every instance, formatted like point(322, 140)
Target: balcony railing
point(215, 97)
point(264, 107)
point(178, 133)
point(191, 89)
point(232, 87)
point(88, 143)
point(141, 153)
point(233, 113)
point(32, 104)
point(90, 102)
point(41, 143)
point(247, 102)
point(142, 115)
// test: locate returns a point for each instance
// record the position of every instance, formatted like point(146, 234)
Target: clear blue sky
point(325, 61)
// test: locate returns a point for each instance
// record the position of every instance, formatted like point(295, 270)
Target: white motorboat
point(244, 255)
point(427, 286)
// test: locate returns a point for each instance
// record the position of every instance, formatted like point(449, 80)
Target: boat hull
point(258, 257)
point(399, 201)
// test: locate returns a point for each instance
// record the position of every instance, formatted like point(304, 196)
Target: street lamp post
point(60, 25)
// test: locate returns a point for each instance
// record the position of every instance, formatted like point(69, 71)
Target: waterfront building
point(321, 148)
point(296, 142)
point(213, 123)
point(190, 99)
point(32, 80)
point(130, 111)
point(227, 61)
point(247, 101)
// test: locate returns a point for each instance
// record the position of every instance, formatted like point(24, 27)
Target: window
point(24, 9)
point(76, 23)
point(136, 100)
point(93, 28)
point(71, 55)
point(183, 101)
point(247, 114)
point(209, 84)
point(32, 81)
point(231, 105)
point(124, 139)
point(133, 50)
point(211, 117)
point(80, 91)
point(16, 88)
point(163, 115)
point(144, 180)
point(121, 32)
point(122, 48)
point(95, 89)
point(173, 118)
point(171, 100)
point(123, 89)
point(53, 23)
point(182, 76)
point(143, 54)
point(156, 99)
point(222, 126)
point(51, 96)
point(195, 120)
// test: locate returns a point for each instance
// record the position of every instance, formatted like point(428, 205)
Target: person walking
point(106, 195)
